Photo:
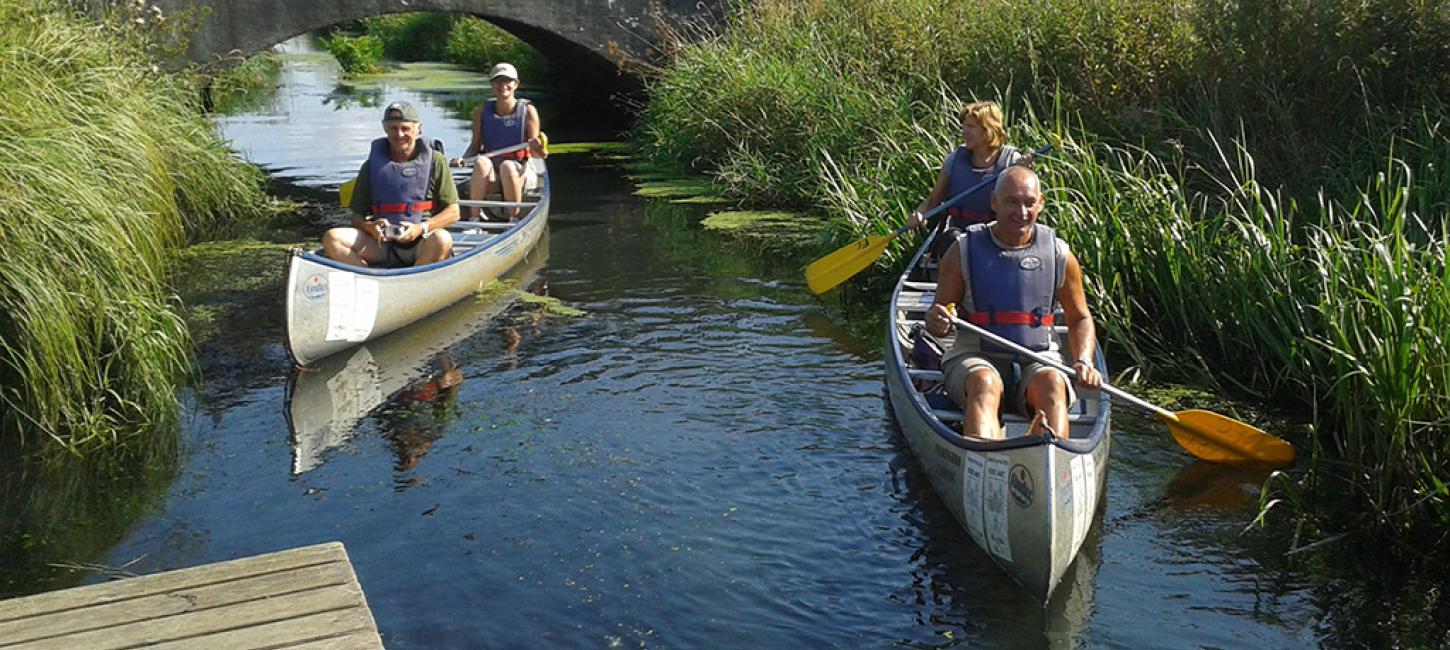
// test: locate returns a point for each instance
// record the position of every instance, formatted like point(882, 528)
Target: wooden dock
point(300, 598)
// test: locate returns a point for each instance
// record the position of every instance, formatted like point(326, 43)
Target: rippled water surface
point(704, 459)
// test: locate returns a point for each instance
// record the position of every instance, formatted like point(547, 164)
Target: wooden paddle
point(1207, 435)
point(824, 274)
point(344, 191)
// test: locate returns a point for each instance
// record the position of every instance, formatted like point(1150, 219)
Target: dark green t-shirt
point(441, 190)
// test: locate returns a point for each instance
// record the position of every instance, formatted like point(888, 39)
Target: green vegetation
point(115, 166)
point(1274, 226)
point(356, 54)
point(246, 86)
point(460, 39)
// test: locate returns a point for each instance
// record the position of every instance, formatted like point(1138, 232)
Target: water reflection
point(406, 378)
point(955, 587)
point(1215, 487)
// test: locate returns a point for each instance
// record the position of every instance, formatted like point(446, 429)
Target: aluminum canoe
point(333, 306)
point(1028, 502)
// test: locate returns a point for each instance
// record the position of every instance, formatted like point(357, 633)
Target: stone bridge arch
point(587, 38)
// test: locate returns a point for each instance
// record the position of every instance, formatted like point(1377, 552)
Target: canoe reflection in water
point(406, 381)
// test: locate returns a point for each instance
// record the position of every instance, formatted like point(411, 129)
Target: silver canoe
point(326, 402)
point(1027, 502)
point(333, 306)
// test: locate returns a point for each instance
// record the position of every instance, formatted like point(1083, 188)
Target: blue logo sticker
point(1019, 483)
point(315, 288)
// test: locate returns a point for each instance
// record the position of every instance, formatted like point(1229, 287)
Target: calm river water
point(703, 459)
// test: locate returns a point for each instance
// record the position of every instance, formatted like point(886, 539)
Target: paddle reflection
point(1215, 486)
point(407, 379)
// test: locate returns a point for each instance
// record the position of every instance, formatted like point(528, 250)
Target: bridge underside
point(590, 40)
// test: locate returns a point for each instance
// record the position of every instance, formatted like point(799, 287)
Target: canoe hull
point(1027, 502)
point(333, 306)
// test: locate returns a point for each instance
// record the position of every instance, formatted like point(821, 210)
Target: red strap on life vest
point(1009, 318)
point(401, 208)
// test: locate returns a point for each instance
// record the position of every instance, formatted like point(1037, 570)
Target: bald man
point(1009, 277)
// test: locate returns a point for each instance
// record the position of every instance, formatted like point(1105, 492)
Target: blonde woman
point(984, 152)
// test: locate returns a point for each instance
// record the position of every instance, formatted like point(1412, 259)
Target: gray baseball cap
point(401, 111)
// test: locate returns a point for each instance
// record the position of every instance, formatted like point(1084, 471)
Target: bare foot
point(1039, 425)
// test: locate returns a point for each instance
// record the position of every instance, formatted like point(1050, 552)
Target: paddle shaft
point(496, 152)
point(1019, 349)
point(965, 193)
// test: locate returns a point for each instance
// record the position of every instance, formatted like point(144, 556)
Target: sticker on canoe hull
point(315, 288)
point(1019, 483)
point(353, 307)
point(1079, 499)
point(972, 473)
point(994, 502)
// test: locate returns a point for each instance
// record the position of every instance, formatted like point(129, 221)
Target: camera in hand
point(394, 230)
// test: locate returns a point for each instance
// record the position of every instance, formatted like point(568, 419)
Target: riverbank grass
point(129, 169)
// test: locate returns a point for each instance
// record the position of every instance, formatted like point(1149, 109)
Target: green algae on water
point(676, 189)
point(550, 306)
point(546, 305)
point(771, 230)
point(569, 148)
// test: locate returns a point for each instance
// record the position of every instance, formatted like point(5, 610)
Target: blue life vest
point(976, 208)
point(505, 131)
point(400, 189)
point(1014, 291)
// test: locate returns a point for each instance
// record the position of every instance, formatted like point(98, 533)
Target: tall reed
point(111, 165)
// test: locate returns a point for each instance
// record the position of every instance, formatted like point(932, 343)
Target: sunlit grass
point(112, 166)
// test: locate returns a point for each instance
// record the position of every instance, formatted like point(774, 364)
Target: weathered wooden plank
point(161, 583)
point(194, 624)
point(344, 623)
point(363, 640)
point(179, 601)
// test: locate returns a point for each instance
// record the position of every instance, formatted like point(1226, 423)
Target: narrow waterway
point(702, 459)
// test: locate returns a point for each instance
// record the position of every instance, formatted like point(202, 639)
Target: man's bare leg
point(1047, 393)
point(984, 396)
point(351, 246)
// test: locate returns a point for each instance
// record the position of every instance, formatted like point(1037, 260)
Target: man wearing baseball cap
point(500, 123)
point(402, 203)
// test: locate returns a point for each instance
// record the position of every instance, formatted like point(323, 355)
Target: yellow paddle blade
point(344, 192)
point(544, 142)
point(1220, 439)
point(824, 274)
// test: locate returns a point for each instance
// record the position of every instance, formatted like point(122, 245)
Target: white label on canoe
point(995, 503)
point(972, 473)
point(352, 308)
point(1080, 505)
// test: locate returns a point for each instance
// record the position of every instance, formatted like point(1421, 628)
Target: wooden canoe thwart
point(332, 306)
point(1028, 502)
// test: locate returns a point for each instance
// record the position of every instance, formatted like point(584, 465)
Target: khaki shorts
point(1015, 378)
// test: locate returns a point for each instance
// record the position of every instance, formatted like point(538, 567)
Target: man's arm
point(361, 205)
point(444, 198)
point(949, 290)
point(1081, 331)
